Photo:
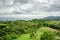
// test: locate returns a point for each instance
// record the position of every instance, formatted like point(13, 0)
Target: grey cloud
point(51, 6)
point(10, 3)
point(6, 3)
point(55, 6)
point(36, 6)
point(21, 1)
point(13, 8)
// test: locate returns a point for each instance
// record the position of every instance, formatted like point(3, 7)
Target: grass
point(24, 37)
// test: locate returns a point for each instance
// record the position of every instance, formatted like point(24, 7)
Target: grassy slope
point(27, 36)
point(24, 37)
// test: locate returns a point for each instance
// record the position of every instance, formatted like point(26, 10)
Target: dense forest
point(30, 30)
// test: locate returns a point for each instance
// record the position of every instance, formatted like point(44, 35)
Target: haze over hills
point(52, 18)
point(45, 18)
point(12, 18)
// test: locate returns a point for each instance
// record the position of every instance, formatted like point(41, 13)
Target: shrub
point(43, 33)
point(10, 36)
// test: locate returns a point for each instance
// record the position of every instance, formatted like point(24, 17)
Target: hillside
point(30, 30)
point(52, 18)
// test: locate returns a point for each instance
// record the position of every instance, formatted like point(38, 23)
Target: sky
point(29, 8)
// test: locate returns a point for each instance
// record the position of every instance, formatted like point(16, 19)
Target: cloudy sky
point(29, 8)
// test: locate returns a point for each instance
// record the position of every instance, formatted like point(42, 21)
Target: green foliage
point(10, 36)
point(2, 26)
point(43, 34)
point(24, 37)
point(37, 29)
point(47, 35)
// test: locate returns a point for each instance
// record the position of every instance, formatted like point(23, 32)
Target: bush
point(10, 36)
point(43, 33)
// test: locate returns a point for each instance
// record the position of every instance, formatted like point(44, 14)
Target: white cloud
point(43, 5)
point(35, 8)
point(23, 16)
point(26, 6)
point(9, 2)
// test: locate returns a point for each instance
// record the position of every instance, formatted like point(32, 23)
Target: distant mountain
point(52, 18)
point(1, 18)
point(46, 18)
point(12, 18)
